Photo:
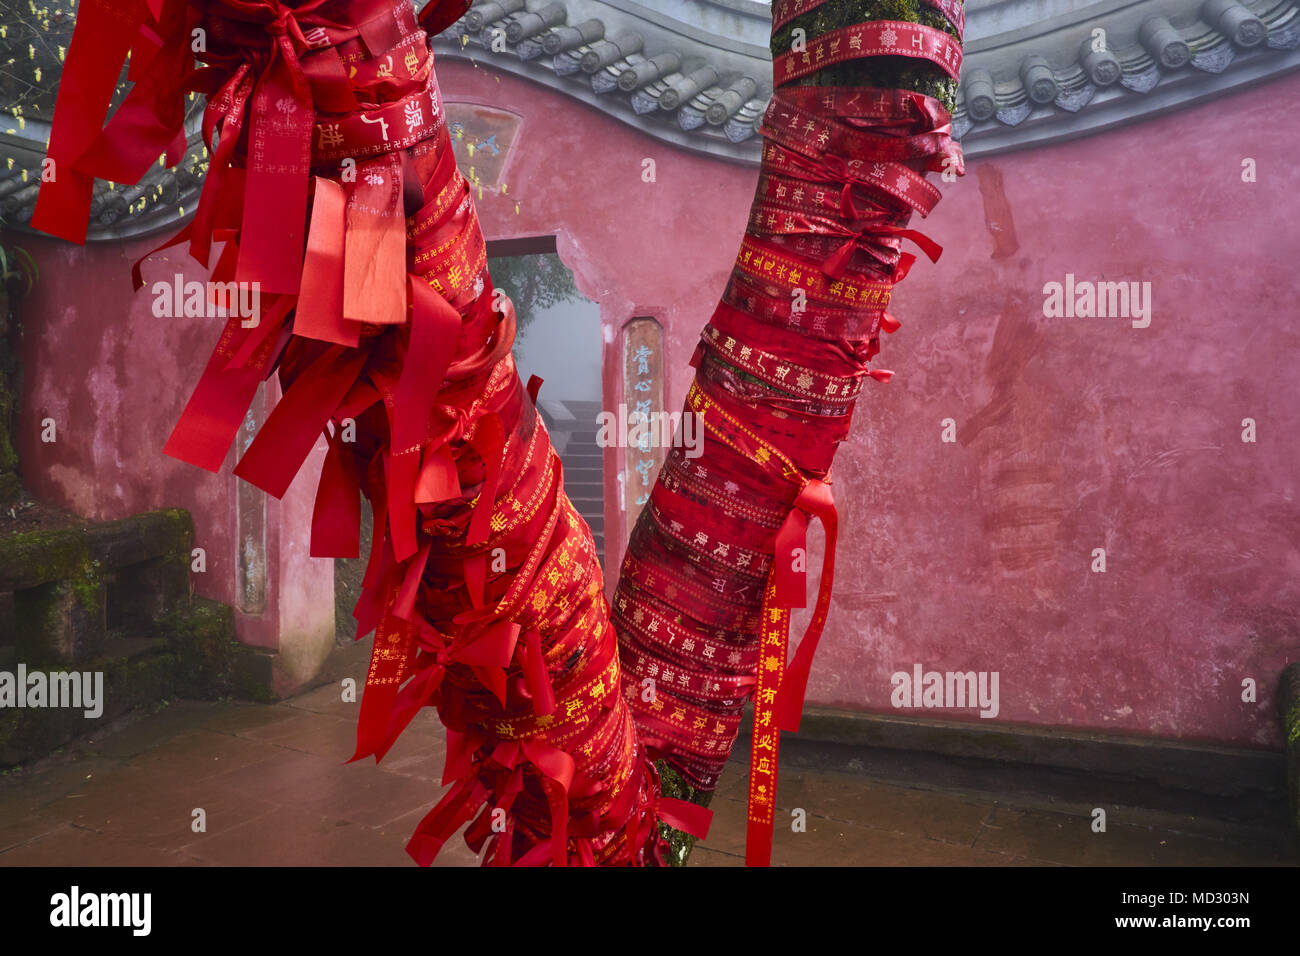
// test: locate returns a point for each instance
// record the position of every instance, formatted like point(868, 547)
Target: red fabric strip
point(291, 430)
point(279, 158)
point(374, 280)
point(212, 416)
point(336, 514)
point(320, 303)
point(105, 31)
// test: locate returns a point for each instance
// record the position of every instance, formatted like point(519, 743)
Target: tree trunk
point(483, 587)
point(698, 586)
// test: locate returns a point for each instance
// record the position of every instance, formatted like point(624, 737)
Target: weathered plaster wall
point(1071, 434)
point(973, 554)
point(114, 379)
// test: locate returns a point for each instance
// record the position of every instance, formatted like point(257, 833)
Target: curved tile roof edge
point(1020, 88)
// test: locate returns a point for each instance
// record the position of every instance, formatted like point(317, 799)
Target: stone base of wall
point(1288, 708)
point(110, 604)
point(1230, 787)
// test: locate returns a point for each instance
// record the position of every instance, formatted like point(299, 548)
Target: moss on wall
point(210, 663)
point(1288, 705)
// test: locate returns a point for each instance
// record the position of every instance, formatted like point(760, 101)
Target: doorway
point(558, 339)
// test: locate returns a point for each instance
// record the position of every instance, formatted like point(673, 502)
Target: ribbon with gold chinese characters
point(719, 556)
point(333, 185)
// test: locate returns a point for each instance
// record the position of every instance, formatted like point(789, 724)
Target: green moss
point(88, 585)
point(8, 454)
point(210, 663)
point(28, 734)
point(886, 72)
point(45, 555)
point(672, 785)
point(177, 532)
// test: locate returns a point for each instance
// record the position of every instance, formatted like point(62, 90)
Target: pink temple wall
point(115, 378)
point(1071, 434)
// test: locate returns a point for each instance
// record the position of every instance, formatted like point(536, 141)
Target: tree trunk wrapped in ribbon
point(718, 555)
point(333, 185)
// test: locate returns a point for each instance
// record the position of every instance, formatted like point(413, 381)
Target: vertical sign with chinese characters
point(643, 398)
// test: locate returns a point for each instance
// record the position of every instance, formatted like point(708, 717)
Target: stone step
point(70, 584)
point(114, 598)
point(29, 559)
point(578, 474)
point(193, 654)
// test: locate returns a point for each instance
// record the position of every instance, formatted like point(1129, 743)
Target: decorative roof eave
point(675, 80)
point(1026, 82)
point(1108, 108)
point(697, 73)
point(1021, 88)
point(163, 199)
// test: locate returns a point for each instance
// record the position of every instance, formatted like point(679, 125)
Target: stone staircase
point(572, 425)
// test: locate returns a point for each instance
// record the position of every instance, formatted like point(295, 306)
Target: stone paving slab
point(275, 789)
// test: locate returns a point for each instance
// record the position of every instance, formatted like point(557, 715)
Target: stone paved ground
point(272, 782)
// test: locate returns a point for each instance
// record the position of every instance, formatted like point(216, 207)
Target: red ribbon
point(292, 428)
point(435, 328)
point(279, 155)
point(336, 514)
point(814, 500)
point(106, 30)
point(535, 673)
point(320, 303)
point(374, 281)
